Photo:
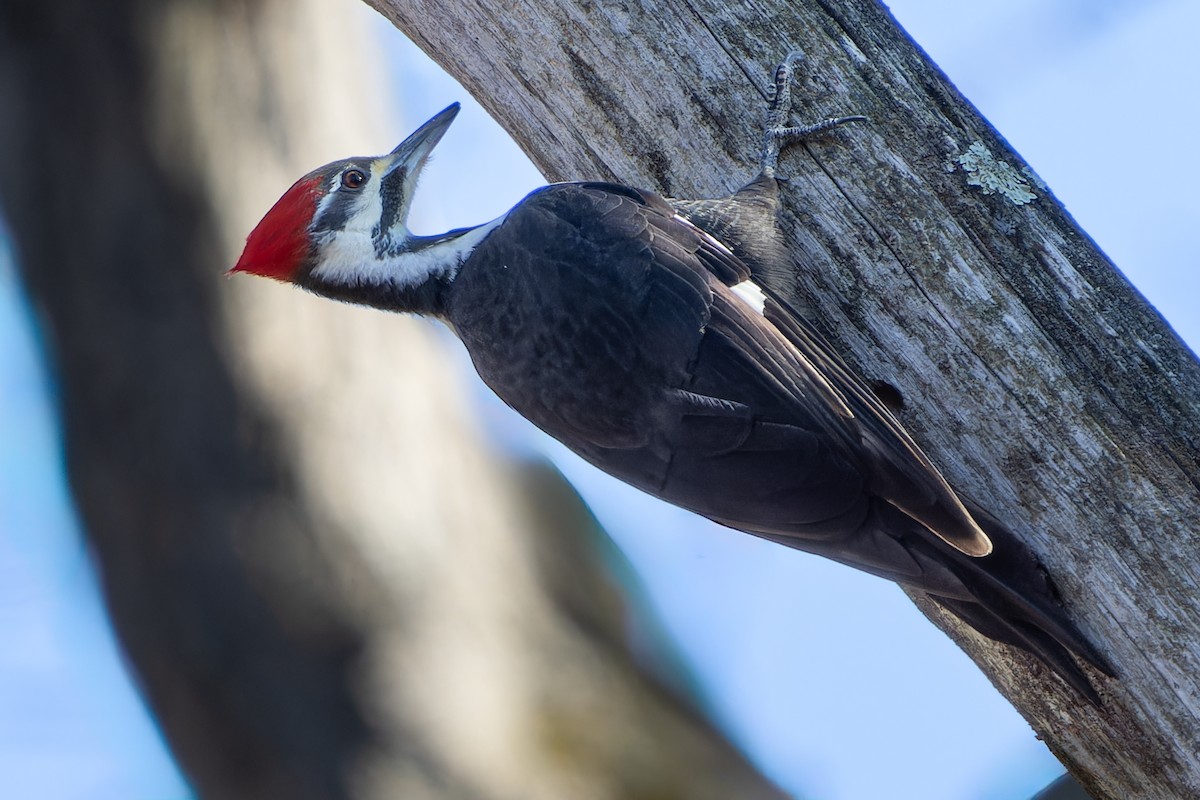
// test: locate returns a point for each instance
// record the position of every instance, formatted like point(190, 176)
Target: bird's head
point(346, 220)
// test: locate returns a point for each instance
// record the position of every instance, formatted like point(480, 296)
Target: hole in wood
point(888, 395)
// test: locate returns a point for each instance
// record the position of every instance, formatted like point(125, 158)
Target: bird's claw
point(778, 134)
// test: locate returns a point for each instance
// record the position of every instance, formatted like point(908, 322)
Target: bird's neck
point(410, 276)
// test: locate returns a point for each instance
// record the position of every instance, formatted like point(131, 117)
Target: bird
point(643, 333)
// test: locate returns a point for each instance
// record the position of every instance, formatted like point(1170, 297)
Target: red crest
point(279, 243)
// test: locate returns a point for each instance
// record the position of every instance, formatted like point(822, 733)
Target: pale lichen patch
point(994, 176)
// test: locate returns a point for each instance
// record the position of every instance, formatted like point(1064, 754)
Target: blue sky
point(71, 725)
point(829, 678)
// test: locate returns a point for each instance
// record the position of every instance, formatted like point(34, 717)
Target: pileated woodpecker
point(630, 327)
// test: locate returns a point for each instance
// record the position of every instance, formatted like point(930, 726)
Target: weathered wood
point(327, 587)
point(1041, 382)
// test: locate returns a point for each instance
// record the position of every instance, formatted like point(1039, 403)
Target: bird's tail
point(1015, 602)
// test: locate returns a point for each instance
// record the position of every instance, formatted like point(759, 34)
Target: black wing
point(1004, 594)
point(609, 320)
point(606, 318)
point(898, 470)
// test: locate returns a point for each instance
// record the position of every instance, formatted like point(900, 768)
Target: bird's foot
point(779, 133)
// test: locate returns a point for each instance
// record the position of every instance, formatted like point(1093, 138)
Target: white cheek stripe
point(348, 258)
point(752, 295)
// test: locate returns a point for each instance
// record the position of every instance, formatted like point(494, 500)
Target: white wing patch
point(749, 291)
point(752, 295)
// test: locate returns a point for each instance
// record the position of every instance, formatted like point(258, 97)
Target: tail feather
point(1018, 605)
point(1036, 593)
point(1006, 595)
point(1025, 636)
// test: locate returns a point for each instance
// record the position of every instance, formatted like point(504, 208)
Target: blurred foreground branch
point(327, 588)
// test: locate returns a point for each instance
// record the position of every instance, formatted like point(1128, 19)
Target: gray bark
point(327, 586)
point(1041, 382)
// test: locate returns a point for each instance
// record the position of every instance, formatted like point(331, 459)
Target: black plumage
point(605, 315)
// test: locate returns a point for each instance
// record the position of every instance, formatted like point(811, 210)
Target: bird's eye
point(353, 178)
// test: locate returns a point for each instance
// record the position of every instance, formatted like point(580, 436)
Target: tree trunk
point(1042, 383)
point(327, 587)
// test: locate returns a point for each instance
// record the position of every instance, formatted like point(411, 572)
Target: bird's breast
point(583, 356)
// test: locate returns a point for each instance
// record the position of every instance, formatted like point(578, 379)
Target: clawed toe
point(778, 134)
